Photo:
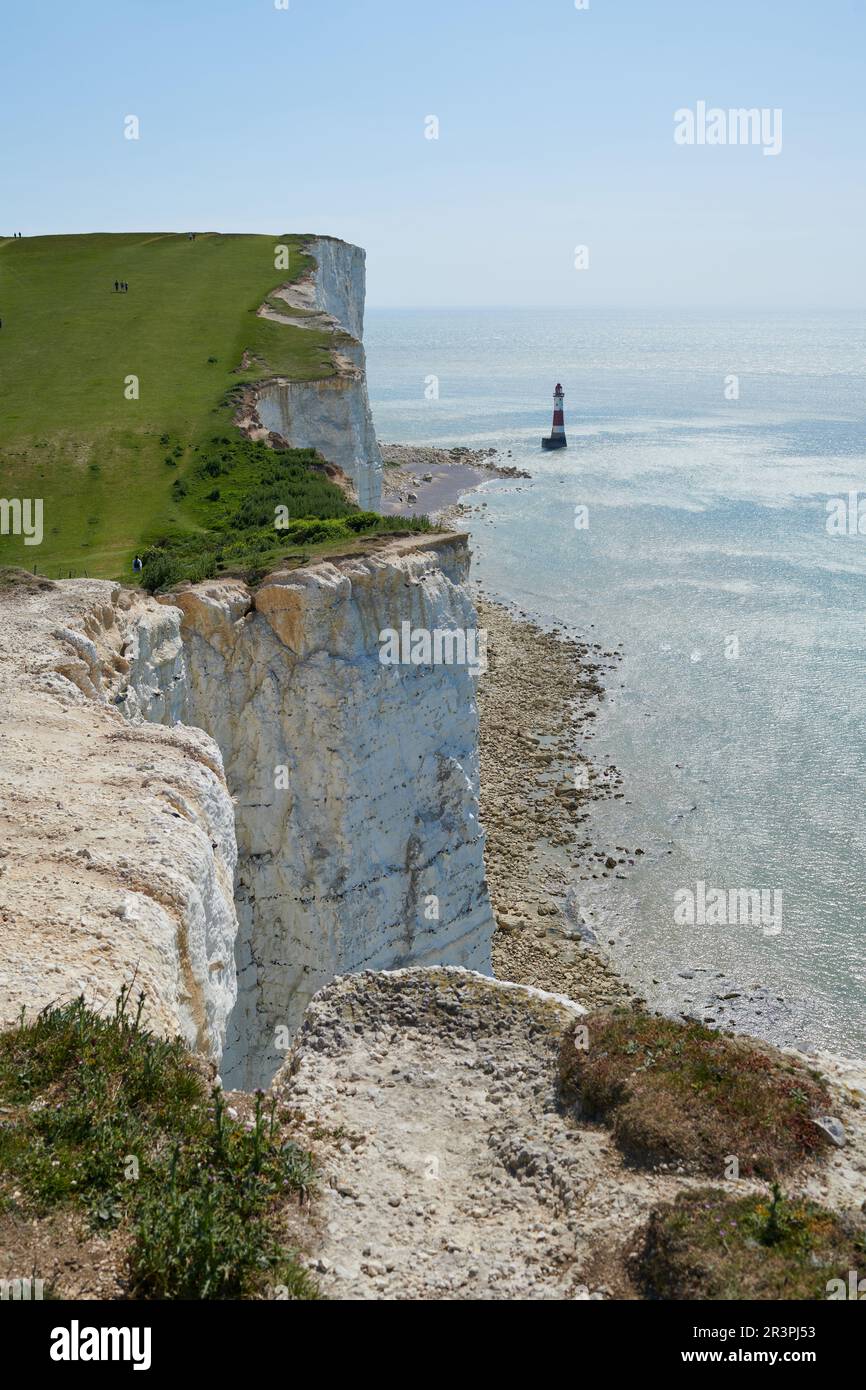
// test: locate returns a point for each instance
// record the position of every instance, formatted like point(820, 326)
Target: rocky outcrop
point(456, 1175)
point(356, 784)
point(155, 687)
point(458, 1171)
point(117, 847)
point(331, 415)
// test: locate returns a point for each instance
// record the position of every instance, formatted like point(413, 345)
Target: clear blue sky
point(556, 130)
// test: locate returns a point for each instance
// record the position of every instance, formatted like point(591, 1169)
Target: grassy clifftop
point(70, 434)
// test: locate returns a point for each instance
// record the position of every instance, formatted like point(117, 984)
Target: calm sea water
point(737, 715)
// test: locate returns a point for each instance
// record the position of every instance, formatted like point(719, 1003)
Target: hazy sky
point(556, 130)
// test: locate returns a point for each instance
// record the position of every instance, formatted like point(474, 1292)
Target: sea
point(704, 518)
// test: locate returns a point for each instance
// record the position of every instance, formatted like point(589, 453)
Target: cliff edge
point(332, 414)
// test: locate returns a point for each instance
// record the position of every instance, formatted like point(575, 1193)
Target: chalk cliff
point(354, 840)
point(356, 784)
point(333, 414)
point(226, 791)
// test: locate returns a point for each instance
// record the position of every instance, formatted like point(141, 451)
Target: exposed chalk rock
point(156, 681)
point(117, 847)
point(463, 1175)
point(356, 783)
point(331, 415)
point(356, 789)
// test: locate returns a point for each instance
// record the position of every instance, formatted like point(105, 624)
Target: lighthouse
point(556, 439)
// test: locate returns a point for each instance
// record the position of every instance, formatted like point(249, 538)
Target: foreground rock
point(455, 1162)
point(452, 1168)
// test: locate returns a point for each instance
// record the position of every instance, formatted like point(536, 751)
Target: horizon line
point(631, 306)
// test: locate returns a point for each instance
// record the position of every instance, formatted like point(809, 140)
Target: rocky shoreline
point(420, 479)
point(538, 702)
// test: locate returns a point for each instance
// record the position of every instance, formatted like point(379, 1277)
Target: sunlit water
point(707, 522)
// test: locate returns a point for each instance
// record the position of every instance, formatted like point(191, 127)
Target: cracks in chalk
point(410, 901)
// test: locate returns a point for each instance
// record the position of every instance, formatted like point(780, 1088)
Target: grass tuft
point(677, 1092)
point(708, 1245)
point(102, 1114)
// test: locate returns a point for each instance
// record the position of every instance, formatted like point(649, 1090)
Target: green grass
point(677, 1092)
point(709, 1245)
point(231, 488)
point(101, 1114)
point(68, 434)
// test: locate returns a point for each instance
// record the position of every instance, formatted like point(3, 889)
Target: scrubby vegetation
point(709, 1245)
point(255, 506)
point(99, 1113)
point(677, 1092)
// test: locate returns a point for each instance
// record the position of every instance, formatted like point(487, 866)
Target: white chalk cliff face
point(117, 846)
point(353, 842)
point(331, 415)
point(356, 784)
point(338, 284)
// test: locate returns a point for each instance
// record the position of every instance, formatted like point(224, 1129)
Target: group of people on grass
point(121, 285)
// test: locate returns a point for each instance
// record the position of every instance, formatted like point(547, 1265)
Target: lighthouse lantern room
point(556, 439)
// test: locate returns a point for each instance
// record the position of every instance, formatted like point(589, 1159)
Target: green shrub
point(160, 570)
point(236, 522)
point(201, 1233)
point(363, 521)
point(313, 531)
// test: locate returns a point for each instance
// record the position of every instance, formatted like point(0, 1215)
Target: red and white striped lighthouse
point(556, 439)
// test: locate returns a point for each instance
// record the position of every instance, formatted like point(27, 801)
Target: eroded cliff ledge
point(117, 846)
